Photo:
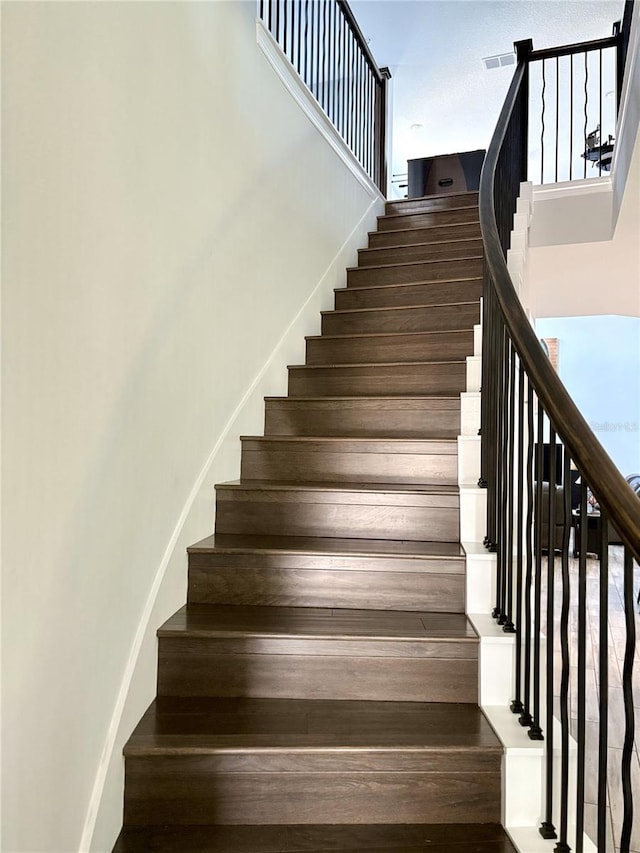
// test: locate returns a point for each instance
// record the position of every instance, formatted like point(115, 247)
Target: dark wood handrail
point(362, 42)
point(614, 494)
point(570, 49)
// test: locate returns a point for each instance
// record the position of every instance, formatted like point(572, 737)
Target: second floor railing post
point(523, 50)
point(381, 134)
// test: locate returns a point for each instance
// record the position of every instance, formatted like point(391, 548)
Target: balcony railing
point(323, 42)
point(533, 440)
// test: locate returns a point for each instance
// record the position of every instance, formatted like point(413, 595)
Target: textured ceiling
point(434, 49)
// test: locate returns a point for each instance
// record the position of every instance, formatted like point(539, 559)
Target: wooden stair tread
point(209, 724)
point(360, 488)
point(448, 399)
point(472, 256)
point(399, 217)
point(437, 197)
point(347, 838)
point(360, 444)
point(377, 364)
point(456, 241)
point(401, 307)
point(211, 620)
point(359, 335)
point(234, 543)
point(246, 543)
point(434, 227)
point(402, 284)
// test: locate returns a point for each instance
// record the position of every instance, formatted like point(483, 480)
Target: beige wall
point(172, 224)
point(588, 278)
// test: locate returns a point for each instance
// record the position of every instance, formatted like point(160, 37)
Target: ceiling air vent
point(499, 61)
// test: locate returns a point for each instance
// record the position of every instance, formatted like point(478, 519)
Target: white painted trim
point(303, 97)
point(567, 189)
point(143, 626)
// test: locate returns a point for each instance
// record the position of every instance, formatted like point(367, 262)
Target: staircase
point(319, 690)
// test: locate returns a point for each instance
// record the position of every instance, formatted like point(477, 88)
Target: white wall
point(585, 254)
point(601, 276)
point(168, 210)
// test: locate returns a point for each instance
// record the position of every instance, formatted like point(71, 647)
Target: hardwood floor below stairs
point(318, 691)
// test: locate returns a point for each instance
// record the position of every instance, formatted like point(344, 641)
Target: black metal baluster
point(361, 109)
point(277, 22)
point(311, 46)
point(501, 447)
point(557, 111)
point(547, 829)
point(525, 718)
point(325, 87)
point(544, 89)
point(316, 49)
point(586, 120)
point(356, 112)
point(261, 8)
point(516, 706)
point(508, 626)
point(368, 121)
point(347, 88)
point(343, 78)
point(305, 75)
point(582, 664)
point(492, 491)
point(600, 113)
point(285, 28)
point(603, 686)
point(351, 91)
point(340, 75)
point(332, 61)
point(627, 694)
point(562, 845)
point(571, 119)
point(535, 732)
point(298, 6)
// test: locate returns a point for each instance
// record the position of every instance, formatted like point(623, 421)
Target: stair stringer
point(523, 766)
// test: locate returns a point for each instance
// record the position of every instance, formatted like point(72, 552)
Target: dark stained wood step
point(424, 293)
point(427, 234)
point(349, 460)
point(389, 347)
point(400, 222)
point(469, 266)
point(327, 572)
point(403, 378)
point(317, 653)
point(400, 318)
point(420, 252)
point(239, 761)
point(428, 203)
point(361, 511)
point(359, 838)
point(400, 417)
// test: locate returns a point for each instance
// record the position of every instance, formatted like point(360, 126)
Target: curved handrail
point(613, 492)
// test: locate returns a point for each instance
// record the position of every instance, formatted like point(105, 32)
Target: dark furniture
point(452, 173)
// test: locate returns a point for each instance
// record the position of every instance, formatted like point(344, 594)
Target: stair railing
point(535, 445)
point(323, 42)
